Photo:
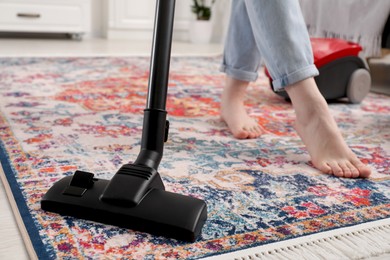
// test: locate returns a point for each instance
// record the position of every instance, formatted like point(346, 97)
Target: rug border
point(29, 232)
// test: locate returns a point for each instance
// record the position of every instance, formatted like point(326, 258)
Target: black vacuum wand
point(135, 197)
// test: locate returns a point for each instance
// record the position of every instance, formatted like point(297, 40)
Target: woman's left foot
point(233, 110)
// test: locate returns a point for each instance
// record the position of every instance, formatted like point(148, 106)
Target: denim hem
point(239, 74)
point(296, 76)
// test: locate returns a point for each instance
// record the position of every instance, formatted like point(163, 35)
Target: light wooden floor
point(11, 244)
point(96, 47)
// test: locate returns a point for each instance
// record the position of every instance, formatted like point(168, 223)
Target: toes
point(252, 132)
point(364, 171)
point(325, 168)
point(346, 170)
point(242, 126)
point(245, 133)
point(241, 134)
point(256, 131)
point(336, 169)
point(354, 171)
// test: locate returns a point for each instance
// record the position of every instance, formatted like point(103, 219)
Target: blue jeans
point(273, 30)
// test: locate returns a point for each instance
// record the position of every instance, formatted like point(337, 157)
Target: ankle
point(308, 102)
point(305, 92)
point(311, 111)
point(234, 90)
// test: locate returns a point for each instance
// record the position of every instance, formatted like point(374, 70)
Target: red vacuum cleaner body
point(343, 74)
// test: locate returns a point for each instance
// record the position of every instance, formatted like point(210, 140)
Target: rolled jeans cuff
point(299, 75)
point(239, 74)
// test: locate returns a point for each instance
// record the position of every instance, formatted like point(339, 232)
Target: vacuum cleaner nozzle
point(135, 197)
point(144, 207)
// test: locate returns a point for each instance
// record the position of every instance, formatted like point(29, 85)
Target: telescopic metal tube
point(161, 52)
point(154, 126)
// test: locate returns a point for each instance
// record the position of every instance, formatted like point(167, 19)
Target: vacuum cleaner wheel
point(358, 86)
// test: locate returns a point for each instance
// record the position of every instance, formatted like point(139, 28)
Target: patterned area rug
point(62, 114)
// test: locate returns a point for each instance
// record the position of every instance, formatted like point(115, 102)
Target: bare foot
point(233, 110)
point(319, 132)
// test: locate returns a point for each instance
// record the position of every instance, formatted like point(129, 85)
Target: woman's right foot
point(320, 134)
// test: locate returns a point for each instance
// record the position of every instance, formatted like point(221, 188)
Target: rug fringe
point(352, 244)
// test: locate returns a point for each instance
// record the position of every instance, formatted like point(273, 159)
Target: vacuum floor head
point(135, 197)
point(158, 212)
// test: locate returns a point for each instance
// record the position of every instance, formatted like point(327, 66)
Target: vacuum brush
point(135, 197)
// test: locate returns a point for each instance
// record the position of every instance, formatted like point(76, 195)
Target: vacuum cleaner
point(342, 72)
point(135, 197)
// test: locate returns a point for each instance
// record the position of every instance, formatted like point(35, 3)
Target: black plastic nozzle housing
point(135, 197)
point(131, 184)
point(159, 213)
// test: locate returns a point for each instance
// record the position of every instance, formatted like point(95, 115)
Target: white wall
point(221, 15)
point(97, 15)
